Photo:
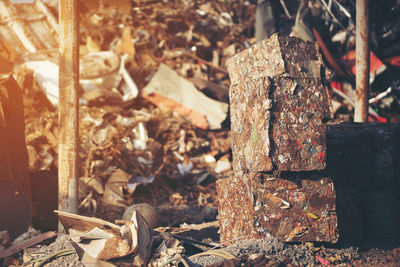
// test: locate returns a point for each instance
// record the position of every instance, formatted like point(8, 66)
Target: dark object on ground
point(15, 196)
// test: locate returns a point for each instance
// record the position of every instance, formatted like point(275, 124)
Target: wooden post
point(362, 61)
point(68, 110)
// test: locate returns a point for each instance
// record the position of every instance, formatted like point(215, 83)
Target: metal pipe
point(362, 61)
point(68, 109)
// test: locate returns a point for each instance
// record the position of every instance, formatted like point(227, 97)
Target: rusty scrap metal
point(362, 61)
point(235, 210)
point(259, 205)
point(278, 106)
point(371, 149)
point(68, 110)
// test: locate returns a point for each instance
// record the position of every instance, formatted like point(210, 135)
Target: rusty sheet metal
point(260, 205)
point(278, 107)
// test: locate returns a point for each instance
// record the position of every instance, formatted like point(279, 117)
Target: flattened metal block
point(289, 211)
point(274, 57)
point(279, 106)
point(250, 125)
point(296, 212)
point(297, 148)
point(297, 101)
point(235, 210)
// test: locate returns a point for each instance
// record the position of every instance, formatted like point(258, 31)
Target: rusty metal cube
point(295, 209)
point(278, 106)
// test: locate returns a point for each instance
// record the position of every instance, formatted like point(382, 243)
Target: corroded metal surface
point(278, 106)
point(235, 210)
point(301, 211)
point(294, 151)
point(251, 144)
point(274, 57)
point(260, 205)
point(361, 159)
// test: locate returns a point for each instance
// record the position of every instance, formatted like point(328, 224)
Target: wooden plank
point(68, 109)
point(16, 26)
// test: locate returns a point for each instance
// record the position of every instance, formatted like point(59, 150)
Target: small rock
point(222, 165)
point(149, 213)
point(210, 213)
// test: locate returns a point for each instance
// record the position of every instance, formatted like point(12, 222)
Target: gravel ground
point(60, 243)
point(277, 252)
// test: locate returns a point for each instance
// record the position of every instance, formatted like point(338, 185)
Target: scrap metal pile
point(143, 143)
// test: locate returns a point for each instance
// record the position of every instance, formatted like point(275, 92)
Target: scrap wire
point(188, 240)
point(41, 261)
point(380, 96)
point(333, 16)
point(285, 9)
point(299, 10)
point(351, 101)
point(89, 202)
point(228, 241)
point(184, 262)
point(219, 252)
point(189, 54)
point(344, 10)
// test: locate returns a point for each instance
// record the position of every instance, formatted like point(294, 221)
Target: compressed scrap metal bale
point(278, 106)
point(235, 210)
point(258, 205)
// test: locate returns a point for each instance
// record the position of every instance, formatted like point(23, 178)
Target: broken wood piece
point(278, 106)
point(83, 223)
point(17, 27)
point(50, 17)
point(210, 64)
point(196, 118)
point(26, 244)
point(30, 27)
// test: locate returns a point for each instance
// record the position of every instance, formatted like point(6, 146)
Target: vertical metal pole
point(68, 109)
point(362, 61)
